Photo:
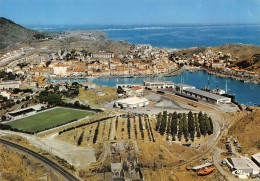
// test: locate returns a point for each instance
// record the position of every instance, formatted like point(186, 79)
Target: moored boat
point(206, 171)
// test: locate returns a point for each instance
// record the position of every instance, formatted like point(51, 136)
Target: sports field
point(48, 119)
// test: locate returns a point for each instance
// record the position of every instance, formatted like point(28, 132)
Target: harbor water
point(246, 93)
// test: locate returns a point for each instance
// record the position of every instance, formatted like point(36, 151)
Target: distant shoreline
point(179, 36)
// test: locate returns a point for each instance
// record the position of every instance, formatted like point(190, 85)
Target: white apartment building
point(60, 70)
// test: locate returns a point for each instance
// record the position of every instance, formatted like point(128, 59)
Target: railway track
point(59, 169)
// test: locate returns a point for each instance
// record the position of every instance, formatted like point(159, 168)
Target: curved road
point(219, 128)
point(51, 164)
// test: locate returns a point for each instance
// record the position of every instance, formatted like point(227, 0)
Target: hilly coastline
point(93, 40)
point(11, 33)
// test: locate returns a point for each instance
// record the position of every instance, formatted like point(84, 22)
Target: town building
point(10, 84)
point(60, 70)
point(159, 84)
point(102, 55)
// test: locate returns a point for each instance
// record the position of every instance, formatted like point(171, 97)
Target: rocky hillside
point(247, 131)
point(11, 33)
point(244, 54)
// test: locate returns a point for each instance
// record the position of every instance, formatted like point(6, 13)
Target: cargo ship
point(206, 171)
point(220, 92)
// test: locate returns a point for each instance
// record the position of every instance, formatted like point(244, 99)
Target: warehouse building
point(243, 165)
point(159, 84)
point(132, 102)
point(207, 96)
point(182, 87)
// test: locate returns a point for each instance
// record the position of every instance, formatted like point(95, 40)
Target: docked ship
point(220, 92)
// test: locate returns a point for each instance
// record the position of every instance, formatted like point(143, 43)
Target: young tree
point(209, 124)
point(141, 126)
point(185, 127)
point(80, 138)
point(197, 126)
point(191, 125)
point(96, 133)
point(203, 128)
point(116, 122)
point(158, 123)
point(163, 123)
point(169, 124)
point(3, 118)
point(174, 125)
point(180, 130)
point(129, 127)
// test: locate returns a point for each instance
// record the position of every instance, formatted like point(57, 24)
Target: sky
point(110, 12)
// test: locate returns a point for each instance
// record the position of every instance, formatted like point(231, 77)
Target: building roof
point(202, 166)
point(159, 82)
point(243, 163)
point(132, 100)
point(7, 82)
point(256, 157)
point(184, 85)
point(206, 94)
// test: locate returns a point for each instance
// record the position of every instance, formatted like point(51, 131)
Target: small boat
point(206, 171)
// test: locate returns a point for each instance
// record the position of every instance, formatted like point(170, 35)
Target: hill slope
point(247, 131)
point(244, 53)
point(11, 33)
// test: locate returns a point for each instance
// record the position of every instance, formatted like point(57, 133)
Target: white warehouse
point(159, 84)
point(132, 102)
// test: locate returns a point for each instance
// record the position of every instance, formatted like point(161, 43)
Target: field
point(91, 95)
point(48, 119)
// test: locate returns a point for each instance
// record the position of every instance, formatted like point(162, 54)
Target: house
point(89, 85)
point(6, 94)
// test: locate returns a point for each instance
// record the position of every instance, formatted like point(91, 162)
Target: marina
point(245, 93)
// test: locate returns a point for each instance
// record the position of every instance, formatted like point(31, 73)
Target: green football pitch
point(48, 119)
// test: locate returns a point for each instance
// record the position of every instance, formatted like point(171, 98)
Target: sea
point(180, 36)
point(172, 36)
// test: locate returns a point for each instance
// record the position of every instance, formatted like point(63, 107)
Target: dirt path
point(113, 129)
point(78, 156)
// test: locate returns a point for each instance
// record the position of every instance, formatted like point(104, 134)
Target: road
point(216, 156)
point(44, 160)
point(220, 129)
